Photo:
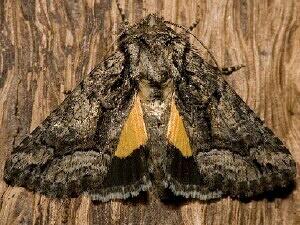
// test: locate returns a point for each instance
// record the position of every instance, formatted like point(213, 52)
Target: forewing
point(73, 151)
point(234, 153)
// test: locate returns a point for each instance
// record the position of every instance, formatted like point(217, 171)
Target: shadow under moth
point(152, 115)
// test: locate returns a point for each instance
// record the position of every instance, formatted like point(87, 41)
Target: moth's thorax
point(151, 64)
point(152, 48)
point(156, 101)
point(151, 92)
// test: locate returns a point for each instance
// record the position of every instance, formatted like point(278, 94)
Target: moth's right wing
point(81, 146)
point(218, 146)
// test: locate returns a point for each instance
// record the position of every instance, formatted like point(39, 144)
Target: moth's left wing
point(227, 149)
point(83, 146)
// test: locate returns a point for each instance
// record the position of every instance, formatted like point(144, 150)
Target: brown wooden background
point(46, 47)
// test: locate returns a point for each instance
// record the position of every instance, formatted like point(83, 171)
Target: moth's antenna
point(194, 25)
point(123, 16)
point(203, 45)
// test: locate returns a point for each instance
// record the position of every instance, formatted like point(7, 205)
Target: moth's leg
point(229, 70)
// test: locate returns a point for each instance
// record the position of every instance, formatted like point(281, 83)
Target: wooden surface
point(46, 47)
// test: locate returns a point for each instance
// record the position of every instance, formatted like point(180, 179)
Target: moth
point(153, 116)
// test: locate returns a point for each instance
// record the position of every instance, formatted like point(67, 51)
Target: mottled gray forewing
point(234, 153)
point(72, 152)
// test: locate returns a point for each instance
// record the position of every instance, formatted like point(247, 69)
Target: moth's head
point(152, 23)
point(152, 31)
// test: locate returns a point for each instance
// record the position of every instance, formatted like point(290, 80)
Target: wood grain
point(46, 47)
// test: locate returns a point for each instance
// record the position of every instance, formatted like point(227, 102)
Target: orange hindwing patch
point(177, 134)
point(133, 133)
